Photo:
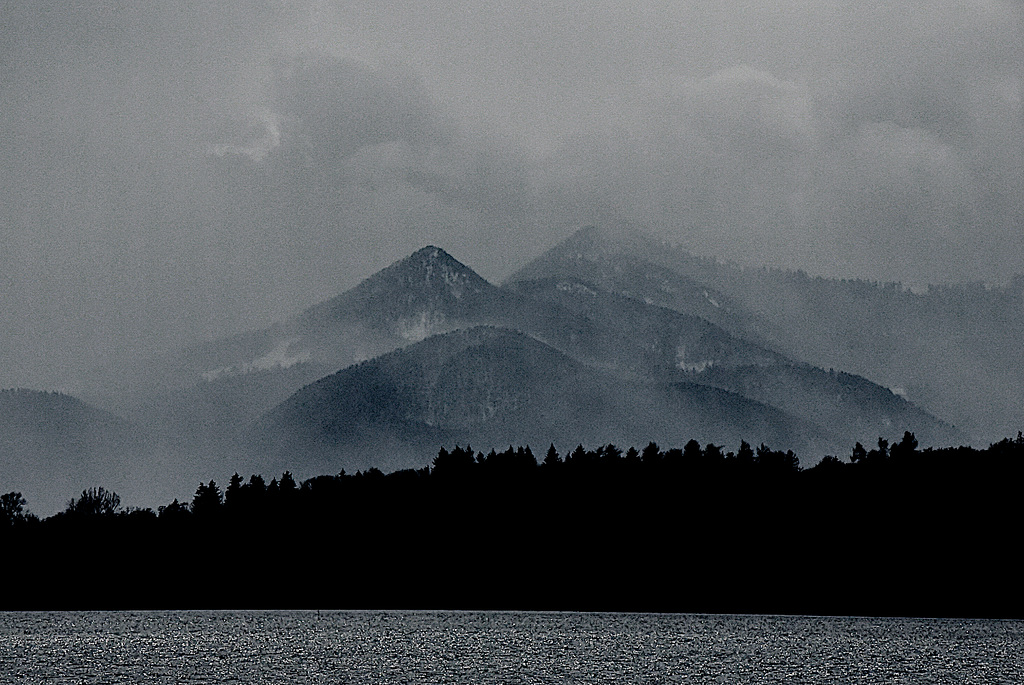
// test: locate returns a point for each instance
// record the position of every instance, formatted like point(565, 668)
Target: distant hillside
point(849, 407)
point(950, 350)
point(492, 387)
point(661, 343)
point(635, 336)
point(608, 337)
point(52, 446)
point(630, 263)
point(211, 393)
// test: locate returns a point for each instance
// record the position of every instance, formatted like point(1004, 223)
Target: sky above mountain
point(189, 169)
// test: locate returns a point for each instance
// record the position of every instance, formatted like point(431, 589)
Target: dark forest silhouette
point(890, 530)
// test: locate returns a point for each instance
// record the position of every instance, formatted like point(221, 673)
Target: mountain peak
point(589, 246)
point(417, 296)
point(435, 270)
point(430, 253)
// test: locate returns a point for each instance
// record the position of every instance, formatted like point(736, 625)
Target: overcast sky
point(174, 170)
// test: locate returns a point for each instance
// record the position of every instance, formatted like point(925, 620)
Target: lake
point(481, 648)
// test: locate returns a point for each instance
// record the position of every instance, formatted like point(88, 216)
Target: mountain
point(596, 299)
point(490, 387)
point(630, 263)
point(599, 340)
point(952, 359)
point(660, 343)
point(209, 395)
point(213, 392)
point(634, 336)
point(52, 446)
point(426, 293)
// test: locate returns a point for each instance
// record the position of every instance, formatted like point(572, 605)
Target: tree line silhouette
point(890, 530)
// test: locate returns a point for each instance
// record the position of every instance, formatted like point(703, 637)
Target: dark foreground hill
point(899, 531)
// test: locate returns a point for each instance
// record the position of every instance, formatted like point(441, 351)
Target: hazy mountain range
point(608, 337)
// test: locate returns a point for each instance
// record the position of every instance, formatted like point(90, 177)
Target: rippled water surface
point(484, 648)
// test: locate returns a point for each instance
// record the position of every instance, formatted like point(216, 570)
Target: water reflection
point(508, 647)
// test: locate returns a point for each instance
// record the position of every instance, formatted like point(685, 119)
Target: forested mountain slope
point(489, 387)
point(951, 350)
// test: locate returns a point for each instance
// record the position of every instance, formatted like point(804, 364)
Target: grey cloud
point(255, 137)
point(339, 106)
point(188, 170)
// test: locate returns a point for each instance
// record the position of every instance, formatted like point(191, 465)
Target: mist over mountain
point(210, 394)
point(52, 445)
point(949, 349)
point(609, 337)
point(216, 390)
point(491, 387)
point(662, 343)
point(240, 173)
point(626, 261)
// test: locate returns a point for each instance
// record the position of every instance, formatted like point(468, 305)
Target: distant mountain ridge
point(641, 296)
point(492, 386)
point(590, 305)
point(52, 443)
point(632, 264)
point(607, 337)
point(653, 339)
point(412, 298)
point(952, 349)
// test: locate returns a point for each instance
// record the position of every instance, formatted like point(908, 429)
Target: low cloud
point(258, 137)
point(186, 171)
